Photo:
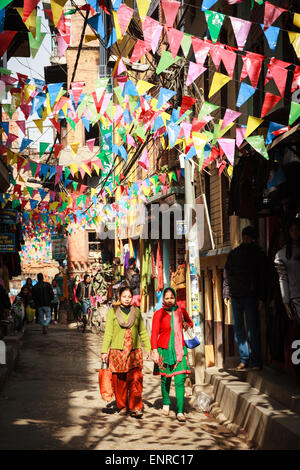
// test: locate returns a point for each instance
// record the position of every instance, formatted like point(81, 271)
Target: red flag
point(56, 124)
point(269, 102)
point(163, 178)
point(5, 39)
point(98, 104)
point(271, 14)
point(279, 75)
point(57, 149)
point(216, 52)
point(252, 67)
point(140, 49)
point(175, 37)
point(187, 102)
point(21, 125)
point(22, 79)
point(170, 9)
point(296, 79)
point(29, 6)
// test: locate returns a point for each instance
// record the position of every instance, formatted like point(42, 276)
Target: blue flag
point(164, 96)
point(271, 35)
point(97, 23)
point(246, 91)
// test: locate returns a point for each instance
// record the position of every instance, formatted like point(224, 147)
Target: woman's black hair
point(123, 289)
point(86, 276)
point(289, 243)
point(169, 289)
point(131, 261)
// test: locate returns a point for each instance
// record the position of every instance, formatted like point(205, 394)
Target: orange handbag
point(105, 382)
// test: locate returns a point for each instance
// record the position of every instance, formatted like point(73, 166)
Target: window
point(94, 243)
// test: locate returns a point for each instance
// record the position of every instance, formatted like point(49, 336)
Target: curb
point(269, 425)
point(13, 346)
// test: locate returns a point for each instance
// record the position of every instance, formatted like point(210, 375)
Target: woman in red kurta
point(169, 350)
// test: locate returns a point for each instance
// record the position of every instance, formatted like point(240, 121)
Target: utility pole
point(193, 273)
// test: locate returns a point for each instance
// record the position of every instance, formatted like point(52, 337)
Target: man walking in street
point(245, 282)
point(84, 293)
point(42, 294)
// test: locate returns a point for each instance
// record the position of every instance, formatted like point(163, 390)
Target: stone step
point(268, 423)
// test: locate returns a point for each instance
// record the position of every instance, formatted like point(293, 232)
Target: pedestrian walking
point(132, 278)
point(18, 311)
point(43, 295)
point(84, 292)
point(28, 302)
point(116, 279)
point(123, 332)
point(287, 263)
point(55, 302)
point(169, 350)
point(245, 282)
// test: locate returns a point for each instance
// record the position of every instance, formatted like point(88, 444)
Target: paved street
point(52, 401)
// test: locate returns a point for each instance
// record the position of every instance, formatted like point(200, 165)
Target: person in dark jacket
point(132, 279)
point(84, 292)
point(42, 294)
point(245, 278)
point(5, 304)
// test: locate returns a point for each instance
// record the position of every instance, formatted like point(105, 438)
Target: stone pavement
point(52, 401)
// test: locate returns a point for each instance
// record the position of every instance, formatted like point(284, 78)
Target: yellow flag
point(252, 124)
point(90, 37)
point(143, 7)
point(219, 80)
point(39, 124)
point(28, 90)
point(74, 147)
point(21, 179)
point(142, 87)
point(86, 169)
point(96, 168)
point(295, 41)
point(199, 143)
point(30, 23)
point(57, 9)
point(53, 205)
point(74, 168)
point(93, 192)
point(117, 26)
point(296, 20)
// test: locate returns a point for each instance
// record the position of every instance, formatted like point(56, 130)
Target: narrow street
point(52, 402)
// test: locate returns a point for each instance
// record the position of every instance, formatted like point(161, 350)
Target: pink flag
point(152, 31)
point(216, 52)
point(187, 127)
point(90, 143)
point(124, 16)
point(229, 117)
point(241, 30)
point(62, 45)
point(21, 125)
point(175, 37)
point(194, 71)
point(240, 135)
point(228, 147)
point(58, 173)
point(228, 58)
point(130, 140)
point(170, 9)
point(144, 161)
point(77, 88)
point(271, 14)
point(105, 103)
point(201, 49)
point(120, 68)
point(252, 67)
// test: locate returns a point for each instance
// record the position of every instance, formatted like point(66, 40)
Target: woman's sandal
point(181, 417)
point(165, 410)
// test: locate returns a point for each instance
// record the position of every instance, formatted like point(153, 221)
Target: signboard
point(59, 247)
point(8, 216)
point(7, 242)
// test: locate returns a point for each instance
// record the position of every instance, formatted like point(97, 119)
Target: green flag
point(165, 61)
point(214, 22)
point(36, 42)
point(43, 147)
point(294, 112)
point(206, 109)
point(186, 44)
point(258, 143)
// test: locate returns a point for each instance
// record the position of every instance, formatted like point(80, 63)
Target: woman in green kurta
point(169, 350)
